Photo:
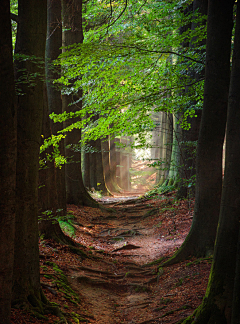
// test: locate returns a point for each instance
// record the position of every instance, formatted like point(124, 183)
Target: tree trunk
point(106, 164)
point(76, 192)
point(117, 153)
point(48, 198)
point(175, 153)
point(53, 50)
point(93, 165)
point(125, 164)
point(101, 186)
point(188, 138)
point(8, 155)
point(218, 303)
point(31, 39)
point(201, 238)
point(113, 164)
point(86, 164)
point(187, 170)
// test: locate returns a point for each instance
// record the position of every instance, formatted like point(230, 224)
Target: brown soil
point(114, 279)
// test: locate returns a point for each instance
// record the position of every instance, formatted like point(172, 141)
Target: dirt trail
point(117, 282)
point(111, 275)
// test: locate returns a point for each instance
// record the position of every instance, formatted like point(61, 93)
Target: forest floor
point(117, 277)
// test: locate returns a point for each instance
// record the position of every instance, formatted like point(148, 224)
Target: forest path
point(117, 282)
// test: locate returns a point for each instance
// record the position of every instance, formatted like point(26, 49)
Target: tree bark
point(53, 50)
point(31, 39)
point(86, 164)
point(101, 186)
point(201, 238)
point(106, 165)
point(8, 155)
point(125, 163)
point(113, 164)
point(218, 304)
point(187, 170)
point(93, 166)
point(48, 194)
point(76, 192)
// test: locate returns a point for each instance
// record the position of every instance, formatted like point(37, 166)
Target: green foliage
point(14, 10)
point(132, 62)
point(65, 222)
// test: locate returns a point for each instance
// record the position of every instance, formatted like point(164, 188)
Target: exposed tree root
point(150, 212)
point(191, 247)
point(130, 201)
point(39, 307)
point(155, 262)
point(208, 312)
point(152, 320)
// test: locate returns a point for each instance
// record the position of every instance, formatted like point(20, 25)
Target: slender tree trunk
point(217, 306)
point(175, 153)
point(188, 158)
point(8, 155)
point(106, 165)
point(31, 39)
point(125, 164)
point(76, 192)
point(117, 152)
point(48, 198)
point(188, 138)
point(113, 164)
point(101, 186)
point(93, 166)
point(53, 50)
point(86, 163)
point(52, 191)
point(201, 238)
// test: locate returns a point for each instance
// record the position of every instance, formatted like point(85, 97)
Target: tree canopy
point(133, 62)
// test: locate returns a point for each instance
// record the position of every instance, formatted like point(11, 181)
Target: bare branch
point(14, 17)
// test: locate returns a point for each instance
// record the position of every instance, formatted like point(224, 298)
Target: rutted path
point(117, 283)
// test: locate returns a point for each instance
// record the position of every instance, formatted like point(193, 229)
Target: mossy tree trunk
point(8, 156)
point(201, 238)
point(221, 304)
point(31, 39)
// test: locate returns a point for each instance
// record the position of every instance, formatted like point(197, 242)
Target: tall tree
point(53, 50)
point(188, 138)
point(105, 148)
point(201, 238)
point(221, 304)
point(8, 154)
point(48, 191)
point(101, 186)
point(30, 44)
point(73, 34)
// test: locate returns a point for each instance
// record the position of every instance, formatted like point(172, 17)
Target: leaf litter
point(117, 277)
